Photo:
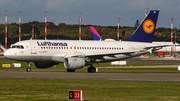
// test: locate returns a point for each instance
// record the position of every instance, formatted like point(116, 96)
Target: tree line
point(71, 32)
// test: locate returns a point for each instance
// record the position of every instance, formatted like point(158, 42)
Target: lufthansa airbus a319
point(76, 54)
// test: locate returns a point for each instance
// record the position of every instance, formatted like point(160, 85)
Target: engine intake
point(74, 63)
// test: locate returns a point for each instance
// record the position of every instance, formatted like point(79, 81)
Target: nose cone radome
point(8, 54)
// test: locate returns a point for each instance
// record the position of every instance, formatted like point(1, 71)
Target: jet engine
point(74, 63)
point(43, 65)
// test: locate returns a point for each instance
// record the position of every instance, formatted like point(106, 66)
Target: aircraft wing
point(156, 46)
point(101, 54)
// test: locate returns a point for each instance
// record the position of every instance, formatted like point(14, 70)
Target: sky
point(94, 12)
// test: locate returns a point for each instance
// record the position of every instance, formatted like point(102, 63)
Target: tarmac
point(108, 76)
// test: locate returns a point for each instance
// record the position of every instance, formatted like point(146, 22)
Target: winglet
point(95, 34)
point(145, 31)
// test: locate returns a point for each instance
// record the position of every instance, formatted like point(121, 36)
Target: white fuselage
point(57, 50)
point(169, 48)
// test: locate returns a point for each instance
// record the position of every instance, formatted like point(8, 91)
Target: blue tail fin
point(145, 31)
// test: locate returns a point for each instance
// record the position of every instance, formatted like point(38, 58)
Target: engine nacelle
point(43, 64)
point(74, 63)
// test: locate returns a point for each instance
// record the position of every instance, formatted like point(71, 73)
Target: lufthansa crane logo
point(148, 26)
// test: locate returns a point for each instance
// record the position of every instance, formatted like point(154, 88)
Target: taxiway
point(155, 77)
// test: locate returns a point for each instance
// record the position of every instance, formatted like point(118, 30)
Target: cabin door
point(131, 46)
point(33, 48)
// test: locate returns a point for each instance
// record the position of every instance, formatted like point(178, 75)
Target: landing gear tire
point(28, 69)
point(70, 70)
point(91, 70)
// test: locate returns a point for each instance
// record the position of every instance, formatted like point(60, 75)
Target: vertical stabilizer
point(95, 34)
point(145, 31)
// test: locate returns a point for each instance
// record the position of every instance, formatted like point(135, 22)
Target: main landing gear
point(91, 69)
point(29, 67)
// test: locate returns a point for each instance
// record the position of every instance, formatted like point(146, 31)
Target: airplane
point(76, 54)
point(168, 49)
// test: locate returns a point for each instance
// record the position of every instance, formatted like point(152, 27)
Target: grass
point(57, 90)
point(108, 64)
point(60, 68)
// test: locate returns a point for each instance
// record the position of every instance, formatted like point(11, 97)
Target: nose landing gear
point(29, 67)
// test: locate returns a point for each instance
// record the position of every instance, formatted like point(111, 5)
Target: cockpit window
point(17, 46)
point(21, 47)
point(14, 46)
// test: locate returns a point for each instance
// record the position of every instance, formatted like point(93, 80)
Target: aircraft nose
point(7, 54)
